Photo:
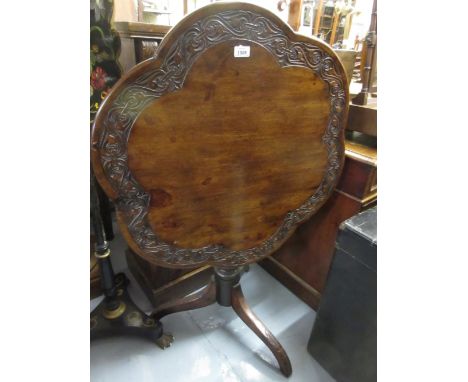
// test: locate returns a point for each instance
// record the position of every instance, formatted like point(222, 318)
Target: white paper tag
point(242, 51)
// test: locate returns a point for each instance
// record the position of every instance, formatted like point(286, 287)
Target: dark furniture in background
point(344, 336)
point(202, 169)
point(139, 41)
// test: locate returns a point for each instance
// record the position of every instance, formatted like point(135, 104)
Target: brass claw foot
point(165, 340)
point(125, 319)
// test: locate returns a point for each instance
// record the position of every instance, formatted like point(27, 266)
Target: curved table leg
point(205, 297)
point(251, 320)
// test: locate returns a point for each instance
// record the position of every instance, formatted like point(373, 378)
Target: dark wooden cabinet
point(344, 336)
point(139, 41)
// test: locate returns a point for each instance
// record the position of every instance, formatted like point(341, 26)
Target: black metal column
point(118, 314)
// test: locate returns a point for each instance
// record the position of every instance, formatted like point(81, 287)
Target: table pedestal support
point(224, 288)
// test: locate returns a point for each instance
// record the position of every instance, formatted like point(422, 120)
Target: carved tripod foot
point(252, 321)
point(227, 292)
point(204, 297)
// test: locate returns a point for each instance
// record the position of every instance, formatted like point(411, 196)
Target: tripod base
point(225, 289)
point(126, 319)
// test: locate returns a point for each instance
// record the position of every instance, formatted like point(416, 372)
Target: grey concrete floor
point(212, 343)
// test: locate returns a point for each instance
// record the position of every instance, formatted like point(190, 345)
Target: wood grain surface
point(215, 159)
point(227, 156)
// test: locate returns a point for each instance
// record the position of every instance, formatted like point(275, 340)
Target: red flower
point(98, 78)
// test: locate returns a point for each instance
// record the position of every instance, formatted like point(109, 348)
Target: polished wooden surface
point(302, 263)
point(214, 159)
point(239, 173)
point(251, 320)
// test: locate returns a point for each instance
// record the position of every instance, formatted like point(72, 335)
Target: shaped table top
point(219, 146)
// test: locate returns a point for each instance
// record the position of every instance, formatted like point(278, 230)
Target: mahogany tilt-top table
point(217, 148)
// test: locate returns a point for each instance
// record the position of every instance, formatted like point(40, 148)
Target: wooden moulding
point(134, 29)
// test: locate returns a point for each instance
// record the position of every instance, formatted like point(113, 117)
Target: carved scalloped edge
point(133, 201)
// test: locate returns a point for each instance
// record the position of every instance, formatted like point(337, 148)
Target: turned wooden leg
point(251, 320)
point(205, 297)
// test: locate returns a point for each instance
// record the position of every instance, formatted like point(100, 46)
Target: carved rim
point(166, 73)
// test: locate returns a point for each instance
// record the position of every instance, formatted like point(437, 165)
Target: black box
point(344, 336)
